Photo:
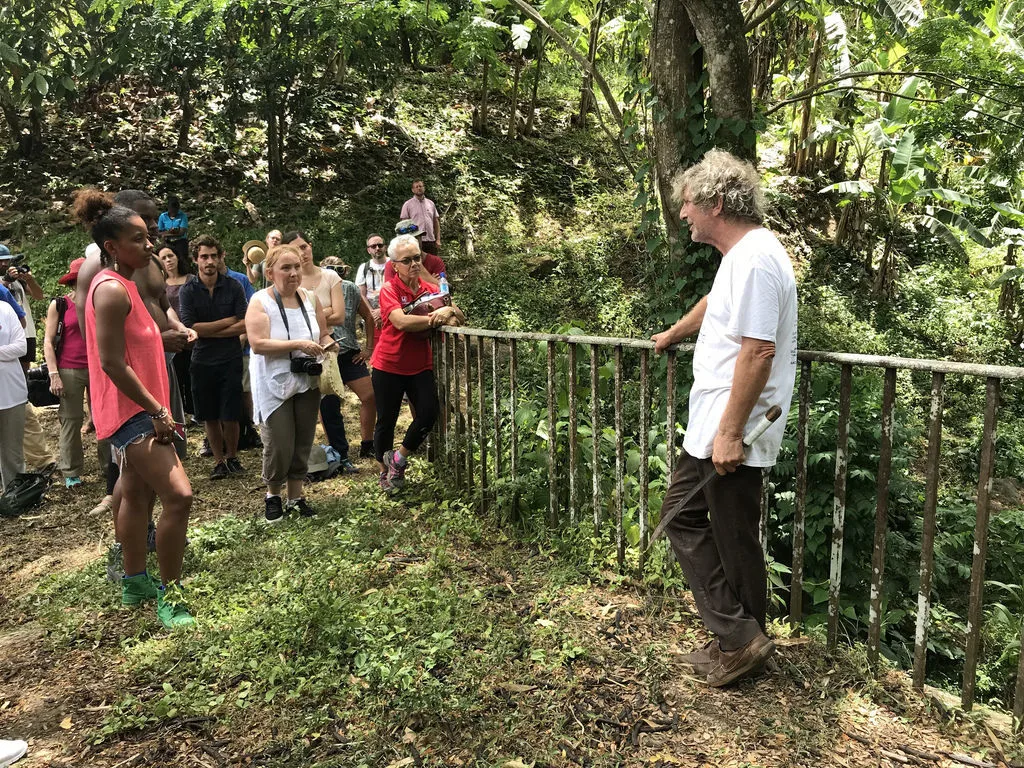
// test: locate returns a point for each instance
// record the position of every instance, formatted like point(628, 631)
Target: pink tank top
point(143, 352)
point(72, 348)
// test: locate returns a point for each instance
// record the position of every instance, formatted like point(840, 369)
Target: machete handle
point(769, 418)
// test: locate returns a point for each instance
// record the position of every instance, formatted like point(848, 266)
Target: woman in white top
point(13, 394)
point(287, 330)
point(326, 284)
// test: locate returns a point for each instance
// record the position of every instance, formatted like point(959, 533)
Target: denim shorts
point(135, 430)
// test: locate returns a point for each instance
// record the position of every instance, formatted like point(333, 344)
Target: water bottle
point(443, 285)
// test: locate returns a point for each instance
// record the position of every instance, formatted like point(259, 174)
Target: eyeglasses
point(414, 259)
point(375, 245)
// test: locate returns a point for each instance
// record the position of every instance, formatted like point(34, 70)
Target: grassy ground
point(395, 632)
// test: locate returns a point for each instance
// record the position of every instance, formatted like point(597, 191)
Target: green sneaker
point(171, 608)
point(137, 589)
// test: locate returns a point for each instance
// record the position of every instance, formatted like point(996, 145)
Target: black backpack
point(25, 492)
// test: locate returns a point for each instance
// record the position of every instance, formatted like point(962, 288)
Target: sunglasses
point(407, 229)
point(375, 245)
point(415, 259)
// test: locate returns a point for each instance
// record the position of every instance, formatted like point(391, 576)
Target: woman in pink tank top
point(129, 393)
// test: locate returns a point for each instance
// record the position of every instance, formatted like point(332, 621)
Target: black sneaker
point(220, 471)
point(302, 507)
point(205, 451)
point(235, 466)
point(366, 449)
point(273, 510)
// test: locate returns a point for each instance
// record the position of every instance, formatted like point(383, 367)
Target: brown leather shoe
point(732, 665)
point(705, 659)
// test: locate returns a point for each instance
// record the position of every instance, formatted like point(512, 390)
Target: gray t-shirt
point(18, 290)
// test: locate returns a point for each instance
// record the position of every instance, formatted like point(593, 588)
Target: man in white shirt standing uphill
point(744, 363)
point(370, 275)
point(423, 211)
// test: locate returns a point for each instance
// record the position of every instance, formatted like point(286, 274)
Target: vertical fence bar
point(445, 437)
point(496, 405)
point(928, 529)
point(645, 428)
point(457, 416)
point(839, 506)
point(574, 451)
point(620, 461)
point(1018, 696)
point(595, 425)
point(552, 439)
point(435, 432)
point(670, 415)
point(796, 588)
point(513, 367)
point(762, 525)
point(481, 422)
point(467, 368)
point(881, 518)
point(974, 613)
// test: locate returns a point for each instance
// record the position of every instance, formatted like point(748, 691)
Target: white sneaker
point(11, 751)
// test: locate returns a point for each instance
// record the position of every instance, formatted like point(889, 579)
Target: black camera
point(306, 365)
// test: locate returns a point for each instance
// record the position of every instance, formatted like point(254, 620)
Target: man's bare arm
point(753, 367)
point(684, 327)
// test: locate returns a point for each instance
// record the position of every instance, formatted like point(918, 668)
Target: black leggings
point(389, 388)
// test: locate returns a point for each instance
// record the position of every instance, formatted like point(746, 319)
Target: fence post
point(574, 450)
point(796, 585)
point(552, 439)
point(881, 518)
point(620, 461)
point(645, 428)
point(481, 422)
point(931, 500)
point(467, 368)
point(974, 611)
point(839, 507)
point(595, 426)
point(457, 417)
point(513, 367)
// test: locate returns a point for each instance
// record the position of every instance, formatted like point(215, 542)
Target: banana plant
point(904, 200)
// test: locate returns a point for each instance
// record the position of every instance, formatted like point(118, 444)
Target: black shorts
point(351, 371)
point(217, 391)
point(30, 350)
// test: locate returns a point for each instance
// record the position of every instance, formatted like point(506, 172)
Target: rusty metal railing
point(475, 451)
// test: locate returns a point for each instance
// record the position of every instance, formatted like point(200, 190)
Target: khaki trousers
point(37, 454)
point(71, 413)
point(12, 460)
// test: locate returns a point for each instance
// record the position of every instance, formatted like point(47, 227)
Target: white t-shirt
point(13, 389)
point(372, 278)
point(754, 295)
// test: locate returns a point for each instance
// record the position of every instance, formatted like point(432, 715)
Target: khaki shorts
point(245, 374)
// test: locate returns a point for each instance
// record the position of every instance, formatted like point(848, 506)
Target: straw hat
point(254, 252)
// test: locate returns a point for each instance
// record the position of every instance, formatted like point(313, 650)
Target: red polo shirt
point(396, 351)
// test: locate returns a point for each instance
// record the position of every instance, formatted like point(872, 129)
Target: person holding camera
point(19, 281)
point(288, 334)
point(403, 363)
point(13, 395)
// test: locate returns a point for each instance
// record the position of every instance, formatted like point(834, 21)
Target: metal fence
point(477, 438)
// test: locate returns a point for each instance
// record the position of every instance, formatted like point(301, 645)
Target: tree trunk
point(804, 150)
point(885, 278)
point(673, 71)
point(587, 89)
point(721, 30)
point(1008, 295)
point(536, 82)
point(275, 162)
point(403, 43)
point(513, 122)
point(187, 109)
point(480, 118)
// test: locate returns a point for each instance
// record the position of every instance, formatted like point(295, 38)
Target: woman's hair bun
point(91, 205)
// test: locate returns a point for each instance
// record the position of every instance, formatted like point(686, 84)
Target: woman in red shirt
point(402, 361)
point(130, 398)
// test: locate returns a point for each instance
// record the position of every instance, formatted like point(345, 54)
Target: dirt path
point(627, 701)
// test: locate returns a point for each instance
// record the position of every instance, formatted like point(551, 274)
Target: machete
point(769, 418)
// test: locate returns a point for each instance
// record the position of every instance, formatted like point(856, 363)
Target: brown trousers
point(715, 538)
point(288, 437)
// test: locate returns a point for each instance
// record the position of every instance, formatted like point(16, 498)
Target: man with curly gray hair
point(744, 363)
